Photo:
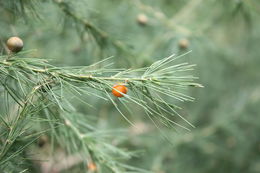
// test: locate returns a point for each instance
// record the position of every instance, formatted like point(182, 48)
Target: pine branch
point(158, 77)
point(101, 36)
point(38, 80)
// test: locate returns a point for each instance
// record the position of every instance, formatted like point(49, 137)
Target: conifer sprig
point(148, 85)
point(37, 86)
point(102, 38)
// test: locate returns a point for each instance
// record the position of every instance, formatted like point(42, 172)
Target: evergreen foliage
point(57, 112)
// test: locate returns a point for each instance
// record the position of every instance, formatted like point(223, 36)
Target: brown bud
point(183, 44)
point(42, 141)
point(92, 167)
point(142, 19)
point(14, 44)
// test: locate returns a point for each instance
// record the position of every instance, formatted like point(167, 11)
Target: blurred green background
point(224, 36)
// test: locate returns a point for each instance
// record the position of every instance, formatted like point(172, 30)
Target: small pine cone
point(14, 44)
point(142, 19)
point(42, 141)
point(92, 167)
point(184, 43)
